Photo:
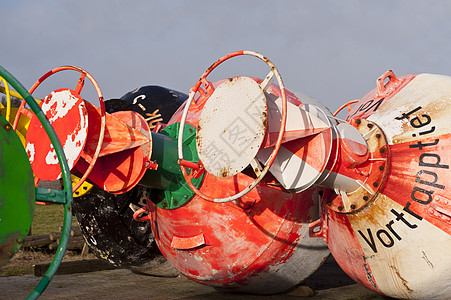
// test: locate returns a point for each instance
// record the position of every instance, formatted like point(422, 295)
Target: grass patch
point(48, 218)
point(17, 270)
point(22, 263)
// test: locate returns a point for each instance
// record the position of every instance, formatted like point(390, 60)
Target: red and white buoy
point(243, 230)
point(391, 231)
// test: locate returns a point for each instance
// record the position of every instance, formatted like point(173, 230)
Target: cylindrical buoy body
point(397, 240)
point(258, 243)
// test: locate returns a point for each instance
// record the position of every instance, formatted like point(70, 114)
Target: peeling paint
point(392, 127)
point(51, 158)
point(62, 102)
point(30, 149)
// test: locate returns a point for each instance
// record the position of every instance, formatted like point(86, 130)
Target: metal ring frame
point(271, 158)
point(78, 89)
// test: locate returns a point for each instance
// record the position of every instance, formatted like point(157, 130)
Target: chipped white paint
point(232, 126)
point(58, 106)
point(313, 105)
point(51, 158)
point(431, 92)
point(392, 127)
point(76, 140)
point(31, 151)
point(198, 257)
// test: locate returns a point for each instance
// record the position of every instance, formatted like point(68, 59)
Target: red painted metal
point(347, 105)
point(114, 159)
point(346, 249)
point(188, 164)
point(125, 153)
point(78, 89)
point(67, 113)
point(236, 245)
point(258, 243)
point(406, 173)
point(137, 215)
point(22, 111)
point(186, 243)
point(380, 178)
point(377, 97)
point(124, 130)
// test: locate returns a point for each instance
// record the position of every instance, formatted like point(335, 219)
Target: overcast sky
point(331, 50)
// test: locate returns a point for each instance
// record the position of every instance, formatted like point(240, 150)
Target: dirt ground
point(23, 261)
point(159, 280)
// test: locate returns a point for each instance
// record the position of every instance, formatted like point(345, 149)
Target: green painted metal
point(50, 196)
point(17, 193)
point(67, 223)
point(169, 188)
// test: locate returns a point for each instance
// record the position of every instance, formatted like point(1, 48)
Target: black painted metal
point(150, 97)
point(106, 220)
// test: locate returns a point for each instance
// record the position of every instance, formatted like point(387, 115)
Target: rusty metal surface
point(205, 94)
point(359, 177)
point(385, 201)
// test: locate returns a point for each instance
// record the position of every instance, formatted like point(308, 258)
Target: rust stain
point(225, 172)
point(427, 260)
point(437, 110)
point(404, 282)
point(8, 247)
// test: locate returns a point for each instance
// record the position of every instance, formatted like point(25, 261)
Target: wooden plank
point(72, 267)
point(36, 241)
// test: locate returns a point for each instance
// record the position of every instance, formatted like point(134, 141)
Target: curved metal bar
point(42, 285)
point(348, 105)
point(8, 99)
